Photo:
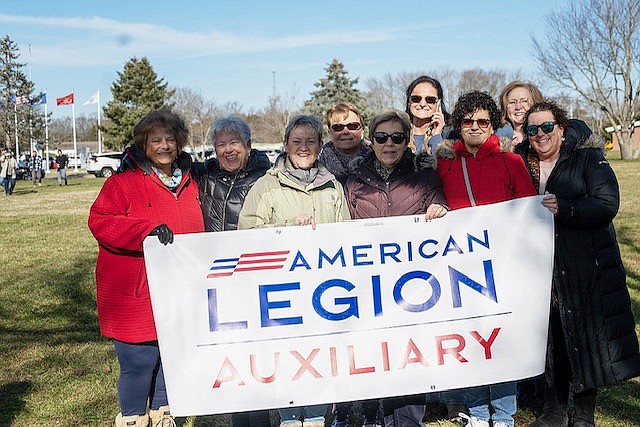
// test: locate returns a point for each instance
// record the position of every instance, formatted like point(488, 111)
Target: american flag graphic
point(248, 262)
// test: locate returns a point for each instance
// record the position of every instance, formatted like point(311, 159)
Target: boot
point(132, 420)
point(584, 408)
point(553, 413)
point(161, 417)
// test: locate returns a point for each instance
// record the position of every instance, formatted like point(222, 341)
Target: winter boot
point(132, 420)
point(161, 417)
point(553, 413)
point(584, 408)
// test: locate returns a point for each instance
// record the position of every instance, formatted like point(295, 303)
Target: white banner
point(279, 317)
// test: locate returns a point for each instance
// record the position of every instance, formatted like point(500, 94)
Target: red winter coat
point(494, 175)
point(130, 205)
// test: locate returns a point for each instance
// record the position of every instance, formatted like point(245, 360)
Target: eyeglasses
point(396, 137)
point(483, 123)
point(525, 102)
point(416, 99)
point(547, 127)
point(339, 127)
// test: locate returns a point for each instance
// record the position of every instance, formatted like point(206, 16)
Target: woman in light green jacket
point(298, 190)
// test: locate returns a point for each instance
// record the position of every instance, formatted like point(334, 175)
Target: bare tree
point(198, 114)
point(268, 125)
point(593, 48)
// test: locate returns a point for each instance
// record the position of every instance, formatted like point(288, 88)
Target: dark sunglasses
point(396, 138)
point(339, 127)
point(416, 99)
point(547, 127)
point(483, 123)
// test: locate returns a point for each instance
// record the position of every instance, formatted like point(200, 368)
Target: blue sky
point(228, 50)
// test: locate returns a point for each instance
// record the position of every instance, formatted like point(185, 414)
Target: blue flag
point(40, 101)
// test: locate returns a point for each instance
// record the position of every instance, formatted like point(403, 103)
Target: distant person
point(158, 198)
point(346, 130)
point(35, 164)
point(2, 157)
point(8, 173)
point(62, 160)
point(428, 113)
point(592, 342)
point(515, 100)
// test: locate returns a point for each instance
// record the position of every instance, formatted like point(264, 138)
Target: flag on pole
point(95, 98)
point(65, 100)
point(19, 99)
point(42, 100)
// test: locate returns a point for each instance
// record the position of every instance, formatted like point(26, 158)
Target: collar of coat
point(323, 177)
point(417, 163)
point(450, 149)
point(140, 158)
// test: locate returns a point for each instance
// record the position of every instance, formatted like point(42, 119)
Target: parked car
point(74, 160)
point(104, 165)
point(22, 171)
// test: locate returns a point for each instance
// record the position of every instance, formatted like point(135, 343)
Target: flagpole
point(46, 128)
point(99, 131)
point(75, 145)
point(15, 119)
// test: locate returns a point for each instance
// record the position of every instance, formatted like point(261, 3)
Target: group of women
point(424, 161)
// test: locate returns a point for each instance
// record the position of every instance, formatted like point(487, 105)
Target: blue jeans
point(9, 183)
point(501, 396)
point(141, 377)
point(294, 414)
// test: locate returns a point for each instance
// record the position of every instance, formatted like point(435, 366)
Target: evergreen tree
point(136, 92)
point(14, 83)
point(336, 87)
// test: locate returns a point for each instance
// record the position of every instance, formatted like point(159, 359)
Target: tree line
point(589, 60)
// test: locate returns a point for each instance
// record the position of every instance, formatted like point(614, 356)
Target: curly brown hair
point(471, 102)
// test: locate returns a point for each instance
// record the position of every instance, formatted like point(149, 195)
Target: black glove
point(164, 233)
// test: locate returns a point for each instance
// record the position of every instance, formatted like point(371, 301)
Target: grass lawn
point(56, 369)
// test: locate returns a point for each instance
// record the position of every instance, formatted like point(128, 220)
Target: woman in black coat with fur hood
point(592, 340)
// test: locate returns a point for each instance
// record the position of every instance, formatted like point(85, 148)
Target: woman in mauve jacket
point(158, 198)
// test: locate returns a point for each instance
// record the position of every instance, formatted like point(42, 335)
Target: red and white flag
point(65, 100)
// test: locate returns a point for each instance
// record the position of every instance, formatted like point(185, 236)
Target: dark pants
point(9, 184)
point(141, 378)
point(251, 419)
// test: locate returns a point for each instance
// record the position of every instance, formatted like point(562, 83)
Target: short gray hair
point(233, 124)
point(311, 122)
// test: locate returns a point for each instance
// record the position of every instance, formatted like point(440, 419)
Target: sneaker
point(501, 424)
point(473, 421)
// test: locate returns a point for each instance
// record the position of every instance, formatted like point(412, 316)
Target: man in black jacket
point(62, 161)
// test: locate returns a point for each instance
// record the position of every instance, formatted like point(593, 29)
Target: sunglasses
point(483, 123)
point(547, 127)
point(339, 127)
point(396, 138)
point(416, 99)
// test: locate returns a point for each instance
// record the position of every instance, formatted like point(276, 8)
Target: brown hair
point(162, 118)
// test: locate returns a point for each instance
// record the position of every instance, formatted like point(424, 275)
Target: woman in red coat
point(158, 198)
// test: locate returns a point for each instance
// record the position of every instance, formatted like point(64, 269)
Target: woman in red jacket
point(158, 198)
point(478, 171)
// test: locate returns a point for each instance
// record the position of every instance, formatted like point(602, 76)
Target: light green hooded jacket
point(277, 198)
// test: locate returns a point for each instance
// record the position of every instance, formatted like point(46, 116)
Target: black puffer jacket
point(589, 278)
point(222, 193)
